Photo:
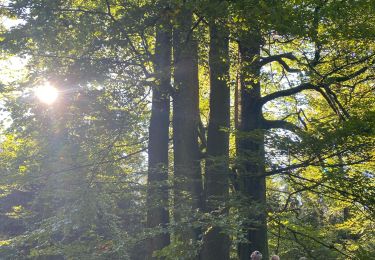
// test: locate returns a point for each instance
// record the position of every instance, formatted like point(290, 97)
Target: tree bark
point(251, 152)
point(216, 243)
point(157, 193)
point(187, 170)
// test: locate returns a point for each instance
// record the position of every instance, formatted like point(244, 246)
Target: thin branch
point(282, 124)
point(95, 164)
point(347, 77)
point(295, 232)
point(337, 101)
point(287, 68)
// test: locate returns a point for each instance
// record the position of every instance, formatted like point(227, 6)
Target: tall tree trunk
point(237, 96)
point(216, 243)
point(187, 169)
point(157, 193)
point(251, 147)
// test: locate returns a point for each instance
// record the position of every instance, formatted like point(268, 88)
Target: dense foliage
point(271, 142)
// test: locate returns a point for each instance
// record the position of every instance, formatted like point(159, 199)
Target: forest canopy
point(186, 129)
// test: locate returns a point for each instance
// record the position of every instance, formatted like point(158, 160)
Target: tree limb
point(333, 80)
point(288, 92)
point(266, 60)
point(279, 58)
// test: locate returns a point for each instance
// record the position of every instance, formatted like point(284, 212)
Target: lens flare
point(46, 93)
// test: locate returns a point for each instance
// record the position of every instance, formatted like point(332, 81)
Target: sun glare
point(46, 93)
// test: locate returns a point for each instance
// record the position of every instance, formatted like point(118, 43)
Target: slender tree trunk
point(237, 96)
point(216, 243)
point(251, 148)
point(157, 193)
point(187, 170)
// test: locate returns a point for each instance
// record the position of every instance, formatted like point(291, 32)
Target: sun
point(46, 93)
